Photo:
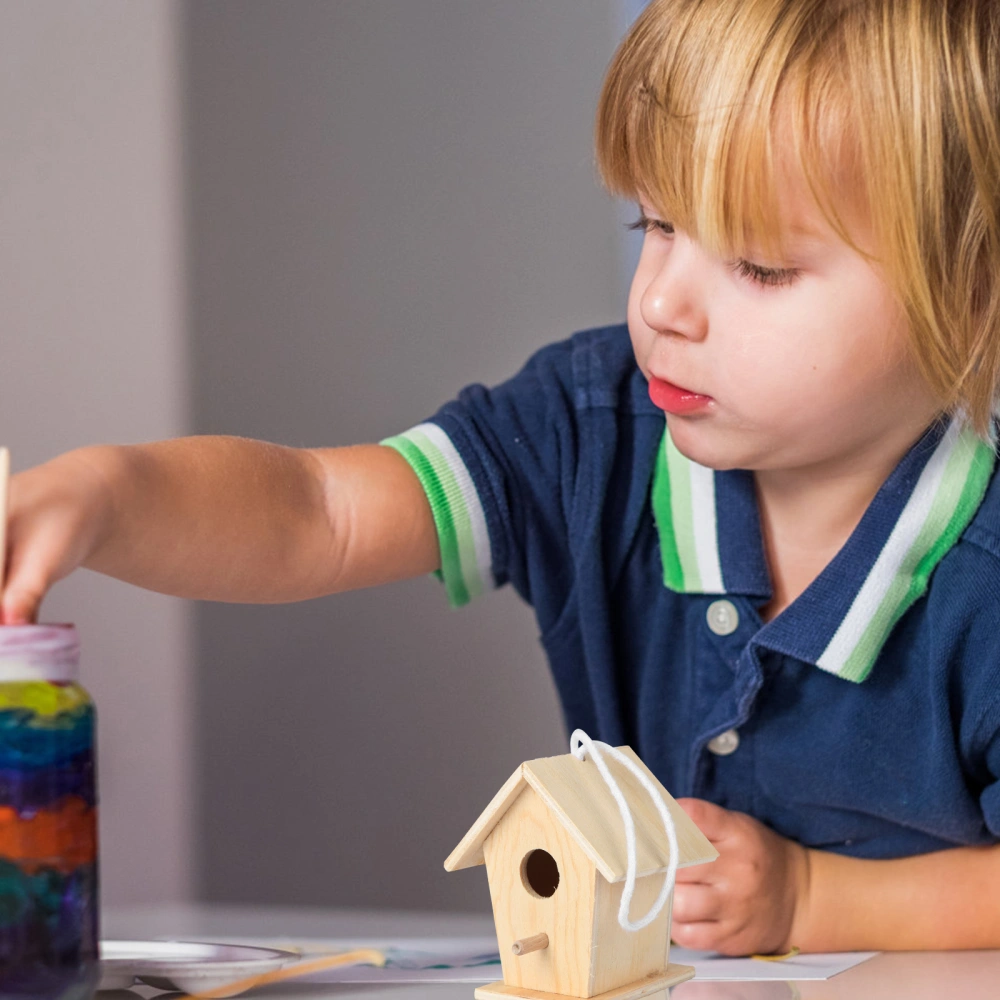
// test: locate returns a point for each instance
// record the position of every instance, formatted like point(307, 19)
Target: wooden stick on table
point(363, 956)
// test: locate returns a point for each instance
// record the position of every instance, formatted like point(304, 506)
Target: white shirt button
point(723, 618)
point(725, 743)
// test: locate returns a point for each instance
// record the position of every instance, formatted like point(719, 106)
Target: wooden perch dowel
point(537, 942)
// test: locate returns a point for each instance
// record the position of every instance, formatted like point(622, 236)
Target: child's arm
point(766, 894)
point(218, 518)
point(944, 900)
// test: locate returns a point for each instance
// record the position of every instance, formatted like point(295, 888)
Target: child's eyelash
point(647, 225)
point(770, 277)
point(764, 275)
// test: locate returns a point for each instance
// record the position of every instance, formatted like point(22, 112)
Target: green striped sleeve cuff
point(466, 564)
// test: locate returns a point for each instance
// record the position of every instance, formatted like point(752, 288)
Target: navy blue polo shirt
point(864, 719)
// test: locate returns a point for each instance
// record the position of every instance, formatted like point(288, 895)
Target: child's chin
point(707, 444)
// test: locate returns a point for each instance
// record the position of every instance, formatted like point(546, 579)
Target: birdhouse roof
point(579, 799)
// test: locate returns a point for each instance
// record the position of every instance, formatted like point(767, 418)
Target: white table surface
point(971, 975)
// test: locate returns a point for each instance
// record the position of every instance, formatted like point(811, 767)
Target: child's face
point(812, 372)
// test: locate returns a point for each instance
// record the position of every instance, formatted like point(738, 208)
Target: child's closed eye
point(769, 277)
point(648, 225)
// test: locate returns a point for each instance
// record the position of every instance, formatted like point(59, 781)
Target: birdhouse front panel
point(541, 882)
point(622, 956)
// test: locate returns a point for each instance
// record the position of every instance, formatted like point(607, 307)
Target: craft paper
point(476, 960)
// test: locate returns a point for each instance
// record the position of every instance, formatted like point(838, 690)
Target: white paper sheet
point(709, 966)
point(476, 960)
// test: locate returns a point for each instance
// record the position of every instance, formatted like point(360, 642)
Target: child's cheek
point(642, 338)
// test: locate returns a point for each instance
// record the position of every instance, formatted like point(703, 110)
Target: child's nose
point(672, 302)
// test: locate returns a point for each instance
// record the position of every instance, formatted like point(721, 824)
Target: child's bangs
point(702, 109)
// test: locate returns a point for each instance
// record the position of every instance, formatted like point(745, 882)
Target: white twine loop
point(580, 744)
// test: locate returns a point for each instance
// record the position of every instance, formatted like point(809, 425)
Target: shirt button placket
point(723, 619)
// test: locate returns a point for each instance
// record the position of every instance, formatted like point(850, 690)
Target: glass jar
point(48, 818)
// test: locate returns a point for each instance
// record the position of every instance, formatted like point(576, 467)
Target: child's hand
point(744, 902)
point(55, 514)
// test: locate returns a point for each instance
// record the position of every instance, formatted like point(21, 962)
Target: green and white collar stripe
point(947, 495)
point(691, 563)
point(458, 513)
point(709, 531)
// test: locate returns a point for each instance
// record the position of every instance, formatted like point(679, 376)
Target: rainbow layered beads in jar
point(48, 818)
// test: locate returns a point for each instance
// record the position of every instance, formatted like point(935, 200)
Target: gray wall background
point(387, 202)
point(93, 348)
point(312, 222)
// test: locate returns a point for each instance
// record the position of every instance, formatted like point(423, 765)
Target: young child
point(785, 599)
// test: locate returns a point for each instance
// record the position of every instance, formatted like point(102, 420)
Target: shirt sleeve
point(989, 798)
point(459, 515)
point(498, 468)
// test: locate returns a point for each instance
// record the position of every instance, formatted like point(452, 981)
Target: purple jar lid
point(39, 653)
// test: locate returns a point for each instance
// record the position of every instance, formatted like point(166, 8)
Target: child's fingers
point(713, 821)
point(696, 902)
point(20, 607)
point(22, 596)
point(699, 874)
point(704, 935)
point(31, 570)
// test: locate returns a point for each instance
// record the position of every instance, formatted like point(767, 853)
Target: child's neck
point(808, 515)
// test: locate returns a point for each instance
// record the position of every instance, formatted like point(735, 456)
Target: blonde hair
point(892, 108)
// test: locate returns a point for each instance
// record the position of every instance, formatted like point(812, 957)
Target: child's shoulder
point(980, 542)
point(964, 590)
point(962, 616)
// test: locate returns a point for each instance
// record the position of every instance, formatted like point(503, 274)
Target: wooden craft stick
point(4, 480)
point(363, 956)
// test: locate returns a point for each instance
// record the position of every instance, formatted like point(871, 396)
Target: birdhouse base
point(673, 975)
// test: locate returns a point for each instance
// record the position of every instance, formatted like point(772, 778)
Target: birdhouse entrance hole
point(540, 873)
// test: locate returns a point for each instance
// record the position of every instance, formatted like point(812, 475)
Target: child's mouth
point(674, 399)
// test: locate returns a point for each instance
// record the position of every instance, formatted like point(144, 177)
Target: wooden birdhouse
point(555, 854)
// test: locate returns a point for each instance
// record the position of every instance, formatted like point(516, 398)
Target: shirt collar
point(711, 543)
